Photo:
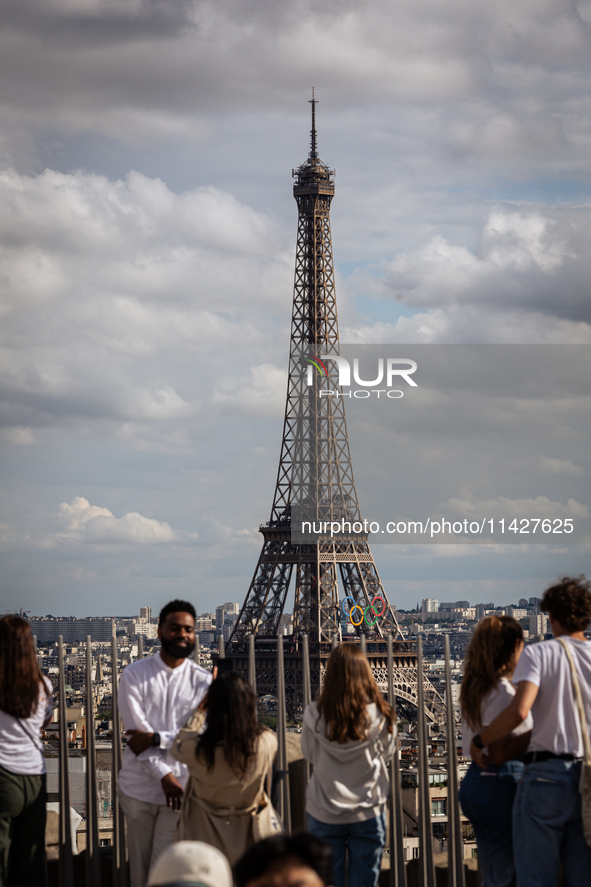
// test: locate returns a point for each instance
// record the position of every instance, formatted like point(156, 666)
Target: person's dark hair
point(273, 853)
point(20, 675)
point(176, 607)
point(489, 654)
point(569, 603)
point(231, 709)
point(349, 687)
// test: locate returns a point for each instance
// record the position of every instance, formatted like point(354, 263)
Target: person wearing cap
point(191, 864)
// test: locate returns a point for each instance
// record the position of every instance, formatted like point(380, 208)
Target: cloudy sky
point(147, 234)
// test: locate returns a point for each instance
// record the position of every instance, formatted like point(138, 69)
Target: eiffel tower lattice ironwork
point(315, 476)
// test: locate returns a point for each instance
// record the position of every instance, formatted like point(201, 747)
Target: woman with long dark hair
point(348, 735)
point(228, 754)
point(487, 795)
point(25, 707)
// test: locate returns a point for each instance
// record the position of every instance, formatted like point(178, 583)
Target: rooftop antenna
point(313, 153)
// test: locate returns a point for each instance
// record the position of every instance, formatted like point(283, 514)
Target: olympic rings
point(356, 607)
point(364, 613)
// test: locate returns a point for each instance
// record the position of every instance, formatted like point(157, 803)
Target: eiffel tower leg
point(316, 608)
point(263, 607)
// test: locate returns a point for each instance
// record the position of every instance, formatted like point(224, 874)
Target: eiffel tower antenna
point(315, 471)
point(313, 153)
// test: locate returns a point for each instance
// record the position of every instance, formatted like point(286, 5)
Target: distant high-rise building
point(145, 614)
point(538, 625)
point(230, 608)
point(480, 611)
point(522, 602)
point(429, 607)
point(49, 629)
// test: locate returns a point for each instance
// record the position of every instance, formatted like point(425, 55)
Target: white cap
point(191, 862)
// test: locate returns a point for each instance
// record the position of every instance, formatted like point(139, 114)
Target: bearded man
point(156, 697)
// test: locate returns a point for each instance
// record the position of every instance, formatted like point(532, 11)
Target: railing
point(397, 876)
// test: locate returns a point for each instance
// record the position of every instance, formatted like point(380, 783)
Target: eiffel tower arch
point(315, 481)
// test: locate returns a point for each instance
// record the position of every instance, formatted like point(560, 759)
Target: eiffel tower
point(315, 480)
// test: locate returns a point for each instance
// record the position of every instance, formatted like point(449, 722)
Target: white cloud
point(261, 394)
point(92, 524)
point(548, 466)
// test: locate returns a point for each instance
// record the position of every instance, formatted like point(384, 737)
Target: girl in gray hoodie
point(348, 735)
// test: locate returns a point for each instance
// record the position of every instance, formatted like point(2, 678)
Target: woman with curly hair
point(228, 754)
point(25, 707)
point(348, 735)
point(487, 794)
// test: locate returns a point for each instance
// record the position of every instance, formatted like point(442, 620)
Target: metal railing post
point(334, 643)
point(93, 862)
point(140, 646)
point(66, 862)
point(455, 849)
point(119, 855)
point(397, 867)
point(197, 650)
point(306, 689)
point(283, 769)
point(252, 664)
point(222, 647)
point(426, 863)
point(363, 644)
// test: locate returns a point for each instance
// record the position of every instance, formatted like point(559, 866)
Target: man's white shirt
point(157, 699)
point(556, 722)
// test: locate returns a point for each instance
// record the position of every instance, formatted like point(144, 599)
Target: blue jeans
point(547, 826)
point(487, 797)
point(365, 840)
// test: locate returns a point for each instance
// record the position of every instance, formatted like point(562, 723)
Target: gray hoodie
point(350, 781)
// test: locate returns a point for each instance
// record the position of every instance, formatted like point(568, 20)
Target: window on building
point(438, 779)
point(438, 806)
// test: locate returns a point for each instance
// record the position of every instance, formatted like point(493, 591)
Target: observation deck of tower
point(316, 474)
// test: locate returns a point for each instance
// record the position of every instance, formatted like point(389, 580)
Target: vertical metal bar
point(397, 867)
point(363, 644)
point(66, 862)
point(283, 771)
point(222, 647)
point(140, 646)
point(426, 864)
point(197, 650)
point(252, 664)
point(93, 862)
point(455, 848)
point(335, 642)
point(119, 855)
point(306, 690)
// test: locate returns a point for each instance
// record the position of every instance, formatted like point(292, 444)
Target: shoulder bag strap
point(579, 701)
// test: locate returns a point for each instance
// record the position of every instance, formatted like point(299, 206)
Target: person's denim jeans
point(487, 797)
point(365, 839)
point(547, 826)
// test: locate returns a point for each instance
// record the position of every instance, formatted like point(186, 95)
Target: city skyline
point(147, 238)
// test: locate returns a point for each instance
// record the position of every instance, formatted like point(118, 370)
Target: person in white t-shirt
point(487, 795)
point(25, 707)
point(547, 818)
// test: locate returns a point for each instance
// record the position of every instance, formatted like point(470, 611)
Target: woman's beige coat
point(219, 808)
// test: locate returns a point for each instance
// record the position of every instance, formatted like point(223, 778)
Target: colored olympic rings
point(364, 613)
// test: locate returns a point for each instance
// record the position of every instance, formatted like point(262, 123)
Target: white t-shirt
point(492, 705)
point(21, 749)
point(556, 722)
